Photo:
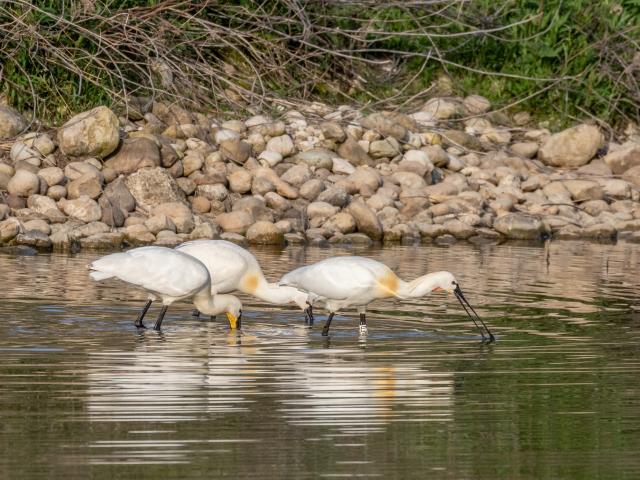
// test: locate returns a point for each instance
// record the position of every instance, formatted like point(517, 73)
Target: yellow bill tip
point(233, 321)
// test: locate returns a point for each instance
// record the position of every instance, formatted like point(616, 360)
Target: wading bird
point(233, 268)
point(357, 281)
point(170, 275)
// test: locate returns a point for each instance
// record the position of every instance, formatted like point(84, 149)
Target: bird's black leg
point(138, 323)
point(212, 318)
point(363, 324)
point(308, 315)
point(156, 327)
point(195, 313)
point(325, 330)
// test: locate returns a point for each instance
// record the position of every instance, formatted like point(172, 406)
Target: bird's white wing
point(338, 278)
point(226, 265)
point(157, 269)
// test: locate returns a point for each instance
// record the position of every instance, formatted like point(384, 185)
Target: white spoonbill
point(233, 268)
point(170, 275)
point(357, 281)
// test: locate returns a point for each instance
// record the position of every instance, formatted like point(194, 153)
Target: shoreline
point(451, 171)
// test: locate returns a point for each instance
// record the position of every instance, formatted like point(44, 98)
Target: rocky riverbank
point(454, 170)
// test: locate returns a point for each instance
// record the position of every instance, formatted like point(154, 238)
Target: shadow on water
point(83, 394)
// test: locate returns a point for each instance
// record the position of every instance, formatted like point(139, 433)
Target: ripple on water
point(82, 393)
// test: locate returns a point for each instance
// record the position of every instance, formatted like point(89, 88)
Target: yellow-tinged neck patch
point(388, 285)
point(250, 283)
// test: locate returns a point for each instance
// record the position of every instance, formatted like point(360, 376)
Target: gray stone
point(11, 122)
point(408, 180)
point(206, 230)
point(583, 190)
point(153, 186)
point(35, 239)
point(138, 235)
point(632, 176)
point(134, 154)
point(321, 211)
point(9, 228)
point(340, 165)
point(443, 108)
point(118, 194)
point(342, 222)
point(102, 241)
point(187, 185)
point(94, 133)
point(89, 185)
point(385, 124)
point(335, 196)
point(179, 213)
point(297, 175)
point(75, 170)
point(5, 210)
point(57, 192)
point(316, 157)
point(192, 162)
point(200, 204)
point(416, 161)
point(625, 157)
point(21, 152)
point(519, 226)
point(43, 205)
point(282, 145)
point(366, 177)
point(270, 159)
point(52, 175)
point(615, 188)
point(264, 233)
point(458, 229)
point(295, 238)
point(158, 223)
point(311, 189)
point(23, 184)
point(596, 167)
point(277, 202)
point(235, 222)
point(240, 181)
point(235, 150)
point(354, 153)
point(573, 147)
point(595, 207)
point(445, 240)
point(90, 229)
point(600, 231)
point(476, 104)
point(217, 192)
point(84, 209)
point(525, 149)
point(333, 131)
point(234, 238)
point(366, 220)
point(168, 238)
point(386, 148)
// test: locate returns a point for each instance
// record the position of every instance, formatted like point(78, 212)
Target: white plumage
point(168, 274)
point(342, 282)
point(233, 268)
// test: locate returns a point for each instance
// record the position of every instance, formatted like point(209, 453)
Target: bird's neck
point(208, 304)
point(418, 287)
point(274, 293)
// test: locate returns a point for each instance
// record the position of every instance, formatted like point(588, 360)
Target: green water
point(84, 395)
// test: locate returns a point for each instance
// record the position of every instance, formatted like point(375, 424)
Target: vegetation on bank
point(559, 58)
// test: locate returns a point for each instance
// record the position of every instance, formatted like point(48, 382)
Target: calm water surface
point(84, 395)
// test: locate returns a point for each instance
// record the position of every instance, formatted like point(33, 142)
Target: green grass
point(560, 59)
